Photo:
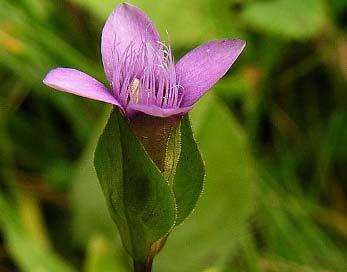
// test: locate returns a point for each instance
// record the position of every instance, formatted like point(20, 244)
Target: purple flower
point(141, 70)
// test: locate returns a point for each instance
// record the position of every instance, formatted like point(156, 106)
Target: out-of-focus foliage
point(28, 249)
point(294, 19)
point(272, 134)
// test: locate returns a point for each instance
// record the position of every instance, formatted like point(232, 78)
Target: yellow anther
point(134, 90)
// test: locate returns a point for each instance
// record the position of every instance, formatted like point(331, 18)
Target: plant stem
point(154, 249)
point(143, 266)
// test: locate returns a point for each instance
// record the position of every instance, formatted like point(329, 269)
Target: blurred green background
point(273, 134)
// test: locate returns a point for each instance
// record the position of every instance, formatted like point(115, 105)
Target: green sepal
point(172, 154)
point(187, 172)
point(137, 194)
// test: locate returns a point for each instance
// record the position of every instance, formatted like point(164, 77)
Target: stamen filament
point(146, 76)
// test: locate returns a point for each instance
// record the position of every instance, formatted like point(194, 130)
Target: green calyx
point(151, 173)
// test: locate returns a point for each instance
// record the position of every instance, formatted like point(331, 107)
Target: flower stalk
point(143, 266)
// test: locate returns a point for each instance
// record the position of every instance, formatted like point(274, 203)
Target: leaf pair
point(144, 202)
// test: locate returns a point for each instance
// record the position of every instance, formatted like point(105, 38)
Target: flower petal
point(155, 111)
point(78, 83)
point(126, 25)
point(202, 67)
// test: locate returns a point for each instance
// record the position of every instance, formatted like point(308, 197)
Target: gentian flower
point(141, 71)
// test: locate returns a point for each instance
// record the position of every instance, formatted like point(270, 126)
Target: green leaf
point(293, 19)
point(139, 198)
point(189, 177)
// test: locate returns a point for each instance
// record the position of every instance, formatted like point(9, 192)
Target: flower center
point(146, 76)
